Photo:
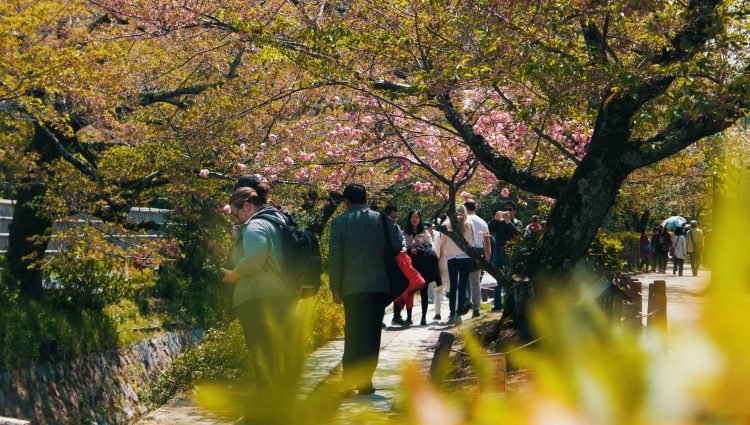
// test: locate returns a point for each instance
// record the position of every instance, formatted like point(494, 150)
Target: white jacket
point(680, 246)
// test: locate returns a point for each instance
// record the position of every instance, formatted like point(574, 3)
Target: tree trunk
point(28, 239)
point(575, 218)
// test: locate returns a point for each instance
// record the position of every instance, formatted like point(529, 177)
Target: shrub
point(324, 318)
point(220, 357)
point(92, 272)
point(38, 331)
point(605, 256)
point(631, 251)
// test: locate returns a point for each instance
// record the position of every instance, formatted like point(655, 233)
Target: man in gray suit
point(358, 277)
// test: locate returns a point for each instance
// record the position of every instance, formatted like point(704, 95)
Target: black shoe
point(423, 322)
point(398, 321)
point(475, 314)
point(408, 322)
point(467, 308)
point(384, 326)
point(437, 318)
point(366, 390)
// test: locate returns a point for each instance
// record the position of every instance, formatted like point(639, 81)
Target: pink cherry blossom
point(549, 201)
point(227, 209)
point(289, 161)
point(263, 145)
point(272, 177)
point(285, 151)
point(243, 148)
point(241, 167)
point(203, 174)
point(465, 195)
point(273, 138)
point(505, 193)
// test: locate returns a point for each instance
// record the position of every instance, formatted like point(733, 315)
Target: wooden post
point(657, 304)
point(442, 355)
point(496, 386)
point(636, 295)
point(632, 315)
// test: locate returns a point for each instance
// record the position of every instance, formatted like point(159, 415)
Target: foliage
point(220, 356)
point(631, 249)
point(326, 318)
point(85, 274)
point(38, 331)
point(605, 257)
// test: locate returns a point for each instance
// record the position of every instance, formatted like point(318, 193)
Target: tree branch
point(701, 23)
point(539, 132)
point(60, 150)
point(497, 164)
point(680, 134)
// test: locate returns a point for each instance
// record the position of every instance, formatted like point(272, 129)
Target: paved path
point(398, 346)
point(684, 294)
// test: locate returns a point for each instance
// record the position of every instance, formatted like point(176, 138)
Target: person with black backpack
point(264, 302)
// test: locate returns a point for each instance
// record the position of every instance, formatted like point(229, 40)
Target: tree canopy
point(110, 103)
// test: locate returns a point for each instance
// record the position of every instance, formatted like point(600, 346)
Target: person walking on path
point(460, 265)
point(646, 251)
point(481, 247)
point(423, 258)
point(391, 211)
point(504, 228)
point(358, 278)
point(695, 246)
point(662, 243)
point(679, 250)
point(264, 304)
point(443, 268)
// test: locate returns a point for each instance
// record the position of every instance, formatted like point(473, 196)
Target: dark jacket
point(502, 232)
point(356, 261)
point(426, 262)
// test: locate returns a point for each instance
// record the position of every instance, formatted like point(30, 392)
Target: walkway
point(684, 294)
point(397, 347)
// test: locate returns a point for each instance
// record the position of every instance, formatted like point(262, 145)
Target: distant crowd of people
point(686, 242)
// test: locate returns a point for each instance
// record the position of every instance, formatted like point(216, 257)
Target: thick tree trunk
point(28, 239)
point(576, 218)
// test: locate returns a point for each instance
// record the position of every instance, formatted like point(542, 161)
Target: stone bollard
point(657, 304)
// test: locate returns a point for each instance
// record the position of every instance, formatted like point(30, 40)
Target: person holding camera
point(263, 303)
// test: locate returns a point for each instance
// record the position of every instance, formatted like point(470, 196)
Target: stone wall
point(101, 388)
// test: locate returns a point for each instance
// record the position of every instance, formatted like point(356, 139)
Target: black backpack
point(301, 265)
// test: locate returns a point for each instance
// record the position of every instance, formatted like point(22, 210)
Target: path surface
point(397, 347)
point(684, 294)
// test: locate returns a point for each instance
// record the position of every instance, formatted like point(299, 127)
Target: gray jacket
point(257, 257)
point(356, 261)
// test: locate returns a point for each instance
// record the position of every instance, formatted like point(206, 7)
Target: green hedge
point(222, 355)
